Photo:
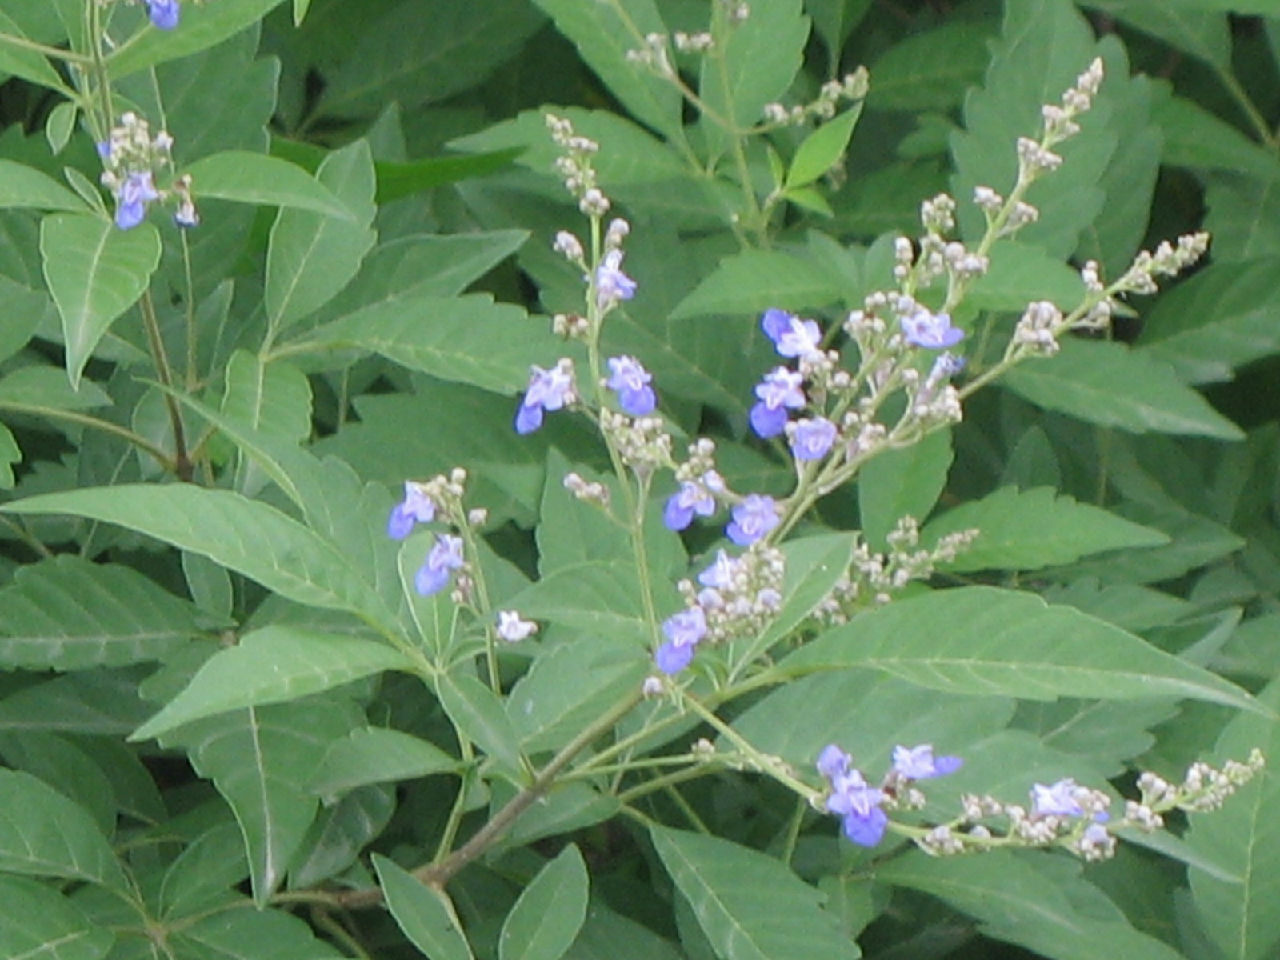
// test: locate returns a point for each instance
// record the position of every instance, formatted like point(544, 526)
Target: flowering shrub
point(772, 517)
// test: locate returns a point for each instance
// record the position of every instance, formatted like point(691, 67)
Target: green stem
point(26, 536)
point(193, 371)
point(436, 875)
point(1246, 104)
point(57, 53)
point(160, 455)
point(182, 465)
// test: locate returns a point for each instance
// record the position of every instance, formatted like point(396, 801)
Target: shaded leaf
point(42, 924)
point(902, 482)
point(546, 919)
point(424, 915)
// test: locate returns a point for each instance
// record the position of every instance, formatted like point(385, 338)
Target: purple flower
point(933, 331)
point(812, 439)
point(791, 336)
point(857, 803)
point(777, 392)
point(630, 381)
point(1058, 799)
point(416, 507)
point(691, 498)
point(755, 516)
point(683, 631)
point(135, 193)
point(720, 574)
point(445, 557)
point(919, 763)
point(548, 390)
point(164, 13)
point(104, 148)
point(672, 658)
point(612, 285)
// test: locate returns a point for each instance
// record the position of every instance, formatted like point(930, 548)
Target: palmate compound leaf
point(42, 924)
point(67, 613)
point(247, 536)
point(272, 665)
point(987, 640)
point(44, 834)
point(1033, 529)
point(425, 915)
point(1243, 919)
point(550, 912)
point(1037, 901)
point(749, 905)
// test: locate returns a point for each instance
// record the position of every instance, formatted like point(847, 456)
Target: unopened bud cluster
point(132, 159)
point(851, 89)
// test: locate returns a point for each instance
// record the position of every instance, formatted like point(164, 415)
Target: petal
point(528, 418)
point(866, 830)
point(672, 658)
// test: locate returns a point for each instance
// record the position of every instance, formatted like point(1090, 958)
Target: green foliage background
point(373, 276)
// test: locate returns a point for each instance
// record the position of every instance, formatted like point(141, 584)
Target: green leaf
point(1021, 273)
point(822, 149)
point(44, 834)
point(22, 61)
point(241, 934)
point(1242, 216)
point(211, 863)
point(833, 21)
point(261, 760)
point(1190, 25)
point(755, 280)
point(478, 715)
point(1242, 919)
point(569, 686)
point(903, 482)
point(42, 924)
point(270, 399)
point(603, 38)
point(311, 257)
point(24, 186)
point(601, 597)
point(546, 919)
point(256, 178)
point(467, 339)
point(95, 272)
point(272, 665)
point(300, 8)
point(38, 388)
point(66, 613)
point(202, 26)
point(985, 640)
point(247, 536)
point(1032, 529)
point(341, 833)
point(376, 755)
point(99, 702)
point(750, 906)
point(931, 69)
point(1041, 903)
point(1107, 383)
point(868, 712)
point(1054, 36)
point(426, 916)
point(1216, 321)
point(1196, 138)
point(754, 65)
point(10, 454)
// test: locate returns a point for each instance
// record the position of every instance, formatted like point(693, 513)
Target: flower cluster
point(439, 498)
point(1062, 814)
point(873, 578)
point(131, 159)
point(164, 14)
point(852, 88)
point(862, 807)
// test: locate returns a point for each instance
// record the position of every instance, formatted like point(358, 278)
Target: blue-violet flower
point(933, 331)
point(630, 380)
point(1058, 799)
point(164, 13)
point(548, 390)
point(856, 802)
point(612, 285)
point(415, 508)
point(683, 631)
point(135, 193)
point(445, 557)
point(755, 516)
point(791, 336)
point(812, 439)
point(691, 498)
point(778, 392)
point(919, 763)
